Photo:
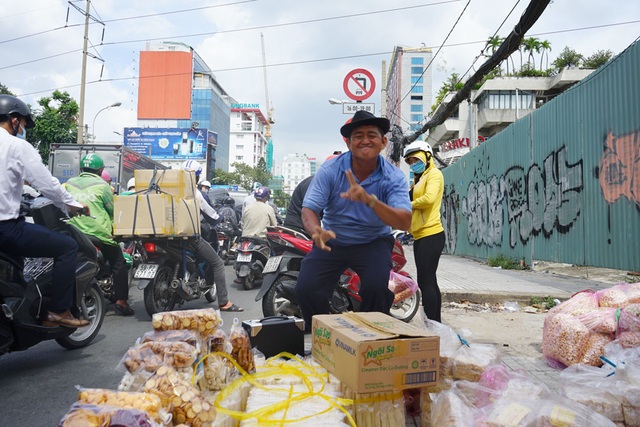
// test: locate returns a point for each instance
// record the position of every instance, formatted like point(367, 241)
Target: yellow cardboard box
point(155, 214)
point(176, 182)
point(374, 352)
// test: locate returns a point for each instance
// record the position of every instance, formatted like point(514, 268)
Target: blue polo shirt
point(354, 222)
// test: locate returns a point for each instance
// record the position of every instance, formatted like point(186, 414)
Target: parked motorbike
point(251, 257)
point(278, 290)
point(404, 237)
point(170, 275)
point(24, 283)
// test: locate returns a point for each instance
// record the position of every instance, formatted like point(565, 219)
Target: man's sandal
point(232, 307)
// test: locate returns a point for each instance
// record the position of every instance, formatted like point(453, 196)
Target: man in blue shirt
point(362, 197)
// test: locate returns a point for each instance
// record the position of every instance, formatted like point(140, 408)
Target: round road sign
point(359, 84)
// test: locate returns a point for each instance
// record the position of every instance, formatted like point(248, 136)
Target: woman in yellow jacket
point(426, 227)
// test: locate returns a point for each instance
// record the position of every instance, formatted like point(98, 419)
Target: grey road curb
point(497, 297)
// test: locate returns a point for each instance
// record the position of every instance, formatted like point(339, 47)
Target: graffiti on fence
point(483, 209)
point(619, 170)
point(451, 204)
point(540, 200)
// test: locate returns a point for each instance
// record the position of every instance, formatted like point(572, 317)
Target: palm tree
point(494, 43)
point(530, 45)
point(545, 47)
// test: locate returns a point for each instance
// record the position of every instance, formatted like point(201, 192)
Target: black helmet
point(11, 105)
point(228, 201)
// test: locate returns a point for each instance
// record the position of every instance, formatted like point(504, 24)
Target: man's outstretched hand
point(320, 237)
point(355, 192)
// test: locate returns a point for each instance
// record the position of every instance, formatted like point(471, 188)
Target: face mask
point(418, 167)
point(23, 134)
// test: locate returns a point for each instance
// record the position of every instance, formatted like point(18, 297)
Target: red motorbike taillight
point(150, 247)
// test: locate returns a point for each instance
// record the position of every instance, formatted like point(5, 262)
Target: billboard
point(170, 143)
point(164, 88)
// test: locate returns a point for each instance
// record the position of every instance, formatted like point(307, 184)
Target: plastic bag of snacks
point(149, 403)
point(205, 321)
point(603, 320)
point(449, 344)
point(193, 338)
point(630, 318)
point(402, 286)
point(619, 296)
point(241, 344)
point(189, 406)
point(217, 368)
point(153, 354)
point(470, 361)
point(89, 415)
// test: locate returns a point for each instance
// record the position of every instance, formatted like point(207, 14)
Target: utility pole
point(84, 74)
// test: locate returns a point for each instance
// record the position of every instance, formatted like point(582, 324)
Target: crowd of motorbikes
point(168, 273)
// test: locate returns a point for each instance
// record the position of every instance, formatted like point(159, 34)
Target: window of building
point(246, 127)
point(240, 136)
point(416, 117)
point(416, 97)
point(239, 147)
point(416, 79)
point(416, 89)
point(506, 100)
point(416, 70)
point(239, 158)
point(416, 108)
point(417, 60)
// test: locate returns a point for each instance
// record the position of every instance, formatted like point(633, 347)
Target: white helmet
point(131, 183)
point(192, 166)
point(205, 183)
point(416, 146)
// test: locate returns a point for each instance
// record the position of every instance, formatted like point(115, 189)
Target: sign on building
point(170, 143)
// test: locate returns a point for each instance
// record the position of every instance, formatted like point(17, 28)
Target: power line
point(310, 60)
point(177, 11)
point(285, 24)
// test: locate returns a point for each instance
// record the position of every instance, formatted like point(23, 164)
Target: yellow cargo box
point(374, 352)
point(155, 214)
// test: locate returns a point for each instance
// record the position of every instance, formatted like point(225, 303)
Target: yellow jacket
point(425, 204)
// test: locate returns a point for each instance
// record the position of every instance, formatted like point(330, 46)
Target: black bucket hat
point(361, 118)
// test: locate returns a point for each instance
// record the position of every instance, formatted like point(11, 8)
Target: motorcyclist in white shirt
point(19, 161)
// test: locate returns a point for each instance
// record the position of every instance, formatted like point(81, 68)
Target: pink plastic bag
point(619, 296)
point(402, 286)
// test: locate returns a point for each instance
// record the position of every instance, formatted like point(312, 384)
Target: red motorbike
point(280, 276)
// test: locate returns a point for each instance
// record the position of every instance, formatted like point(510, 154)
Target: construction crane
point(270, 120)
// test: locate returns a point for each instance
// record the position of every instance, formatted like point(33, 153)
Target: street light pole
point(93, 125)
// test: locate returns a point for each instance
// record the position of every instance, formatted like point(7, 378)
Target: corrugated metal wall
point(561, 184)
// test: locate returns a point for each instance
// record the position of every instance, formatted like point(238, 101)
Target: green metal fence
point(561, 184)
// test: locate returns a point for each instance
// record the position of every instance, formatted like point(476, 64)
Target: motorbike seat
point(255, 239)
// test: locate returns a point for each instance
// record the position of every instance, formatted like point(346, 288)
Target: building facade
point(295, 168)
point(408, 88)
point(178, 90)
point(498, 103)
point(247, 139)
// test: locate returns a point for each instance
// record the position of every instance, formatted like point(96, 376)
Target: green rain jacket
point(94, 192)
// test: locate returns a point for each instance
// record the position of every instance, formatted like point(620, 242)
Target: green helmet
point(91, 161)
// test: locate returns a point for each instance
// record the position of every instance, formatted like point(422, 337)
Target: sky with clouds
point(310, 47)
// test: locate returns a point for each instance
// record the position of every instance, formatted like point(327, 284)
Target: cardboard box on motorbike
point(176, 182)
point(374, 352)
point(155, 214)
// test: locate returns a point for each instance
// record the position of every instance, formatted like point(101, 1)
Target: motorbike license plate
point(146, 271)
point(243, 257)
point(272, 264)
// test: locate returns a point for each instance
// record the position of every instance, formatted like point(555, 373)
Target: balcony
point(490, 119)
point(450, 129)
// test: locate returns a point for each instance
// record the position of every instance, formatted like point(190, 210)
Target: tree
point(55, 122)
point(530, 44)
point(597, 59)
point(225, 178)
point(545, 47)
point(451, 84)
point(247, 175)
point(281, 199)
point(568, 58)
point(5, 90)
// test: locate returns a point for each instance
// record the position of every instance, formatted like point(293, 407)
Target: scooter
point(278, 290)
point(170, 275)
point(23, 285)
point(227, 237)
point(251, 257)
point(404, 237)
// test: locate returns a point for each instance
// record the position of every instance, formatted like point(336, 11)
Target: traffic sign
point(359, 84)
point(352, 107)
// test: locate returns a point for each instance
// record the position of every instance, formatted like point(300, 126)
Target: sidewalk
point(465, 279)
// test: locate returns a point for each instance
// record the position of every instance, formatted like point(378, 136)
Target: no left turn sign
point(359, 84)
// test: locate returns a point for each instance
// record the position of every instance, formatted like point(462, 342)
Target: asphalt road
point(38, 385)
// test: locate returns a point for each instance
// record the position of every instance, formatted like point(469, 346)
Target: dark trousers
point(24, 239)
point(113, 254)
point(321, 270)
point(204, 252)
point(426, 252)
